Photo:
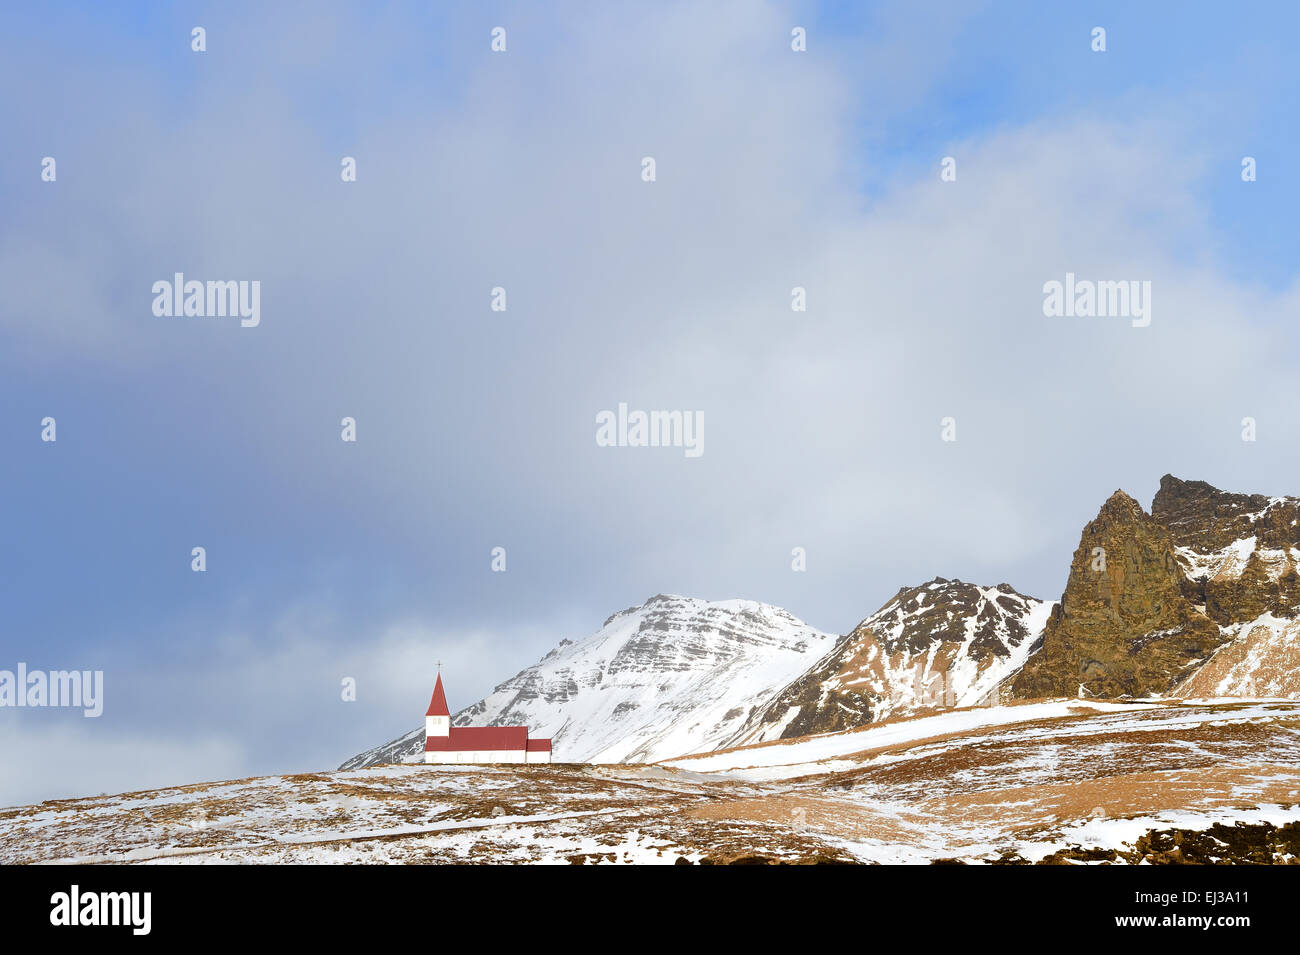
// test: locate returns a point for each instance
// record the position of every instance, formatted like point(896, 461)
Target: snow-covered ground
point(1082, 781)
point(802, 753)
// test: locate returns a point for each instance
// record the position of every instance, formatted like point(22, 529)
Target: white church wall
point(477, 756)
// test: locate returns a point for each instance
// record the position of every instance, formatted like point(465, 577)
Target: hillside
point(1061, 781)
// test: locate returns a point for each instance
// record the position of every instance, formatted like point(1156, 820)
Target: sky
point(371, 560)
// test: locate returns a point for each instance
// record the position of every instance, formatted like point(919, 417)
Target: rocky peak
point(1238, 553)
point(1205, 519)
point(1119, 509)
point(950, 611)
point(1124, 624)
point(938, 644)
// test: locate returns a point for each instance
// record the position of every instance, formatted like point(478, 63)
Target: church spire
point(438, 705)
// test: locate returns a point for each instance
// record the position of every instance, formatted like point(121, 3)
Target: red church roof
point(438, 705)
point(482, 738)
point(539, 746)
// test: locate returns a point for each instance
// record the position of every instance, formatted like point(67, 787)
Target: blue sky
point(775, 169)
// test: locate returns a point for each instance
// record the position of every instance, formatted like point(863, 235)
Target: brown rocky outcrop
point(1238, 552)
point(1200, 516)
point(1124, 624)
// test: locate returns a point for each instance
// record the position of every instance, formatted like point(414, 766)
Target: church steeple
point(438, 705)
point(437, 718)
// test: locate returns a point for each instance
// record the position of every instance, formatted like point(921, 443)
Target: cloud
point(476, 429)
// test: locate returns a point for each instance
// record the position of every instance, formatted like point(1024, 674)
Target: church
point(444, 743)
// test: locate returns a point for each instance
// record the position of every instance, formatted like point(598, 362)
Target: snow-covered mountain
point(676, 675)
point(1199, 598)
point(942, 644)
